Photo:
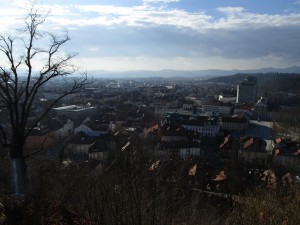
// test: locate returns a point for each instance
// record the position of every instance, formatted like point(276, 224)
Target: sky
point(124, 35)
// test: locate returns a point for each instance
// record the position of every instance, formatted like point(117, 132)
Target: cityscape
point(182, 145)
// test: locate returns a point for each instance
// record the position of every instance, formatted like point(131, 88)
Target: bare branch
point(3, 140)
point(76, 88)
point(18, 95)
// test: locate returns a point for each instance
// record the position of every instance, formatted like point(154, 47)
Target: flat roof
point(73, 108)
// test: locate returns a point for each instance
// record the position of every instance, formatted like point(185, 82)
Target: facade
point(40, 139)
point(234, 123)
point(227, 98)
point(80, 144)
point(247, 91)
point(261, 110)
point(218, 107)
point(66, 130)
point(98, 150)
point(150, 127)
point(175, 149)
point(253, 150)
point(92, 129)
point(207, 126)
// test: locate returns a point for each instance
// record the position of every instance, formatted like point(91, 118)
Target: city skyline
point(171, 34)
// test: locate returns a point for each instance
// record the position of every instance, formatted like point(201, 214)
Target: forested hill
point(286, 82)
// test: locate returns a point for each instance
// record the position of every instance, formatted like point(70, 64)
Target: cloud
point(159, 1)
point(162, 37)
point(231, 10)
point(145, 16)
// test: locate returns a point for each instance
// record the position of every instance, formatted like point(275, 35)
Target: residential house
point(39, 139)
point(286, 147)
point(217, 107)
point(175, 149)
point(65, 130)
point(173, 132)
point(79, 144)
point(208, 126)
point(237, 123)
point(149, 127)
point(94, 128)
point(102, 147)
point(98, 150)
point(253, 150)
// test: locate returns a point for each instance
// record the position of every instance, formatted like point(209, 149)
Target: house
point(94, 128)
point(226, 147)
point(98, 150)
point(101, 148)
point(39, 138)
point(149, 127)
point(260, 111)
point(253, 150)
point(291, 162)
point(207, 126)
point(217, 107)
point(66, 130)
point(79, 144)
point(187, 104)
point(173, 132)
point(175, 149)
point(245, 109)
point(286, 147)
point(237, 123)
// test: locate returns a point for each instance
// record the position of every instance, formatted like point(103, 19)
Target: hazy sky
point(122, 35)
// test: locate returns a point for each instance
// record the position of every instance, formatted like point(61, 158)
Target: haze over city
point(171, 34)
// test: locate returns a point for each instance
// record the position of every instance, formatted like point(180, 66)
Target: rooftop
point(72, 108)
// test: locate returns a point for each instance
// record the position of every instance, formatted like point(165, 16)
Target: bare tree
point(31, 59)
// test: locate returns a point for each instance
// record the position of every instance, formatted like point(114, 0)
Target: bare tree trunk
point(19, 173)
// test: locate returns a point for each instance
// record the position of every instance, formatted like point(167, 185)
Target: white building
point(92, 129)
point(66, 130)
point(75, 111)
point(218, 107)
point(205, 125)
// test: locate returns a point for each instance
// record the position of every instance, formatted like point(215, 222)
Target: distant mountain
point(203, 74)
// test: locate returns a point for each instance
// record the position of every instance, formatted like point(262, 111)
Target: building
point(208, 126)
point(237, 123)
point(61, 128)
point(93, 129)
point(75, 111)
point(175, 149)
point(261, 110)
point(40, 139)
point(247, 91)
point(79, 144)
point(227, 97)
point(253, 151)
point(217, 107)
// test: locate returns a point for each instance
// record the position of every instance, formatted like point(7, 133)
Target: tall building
point(247, 91)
